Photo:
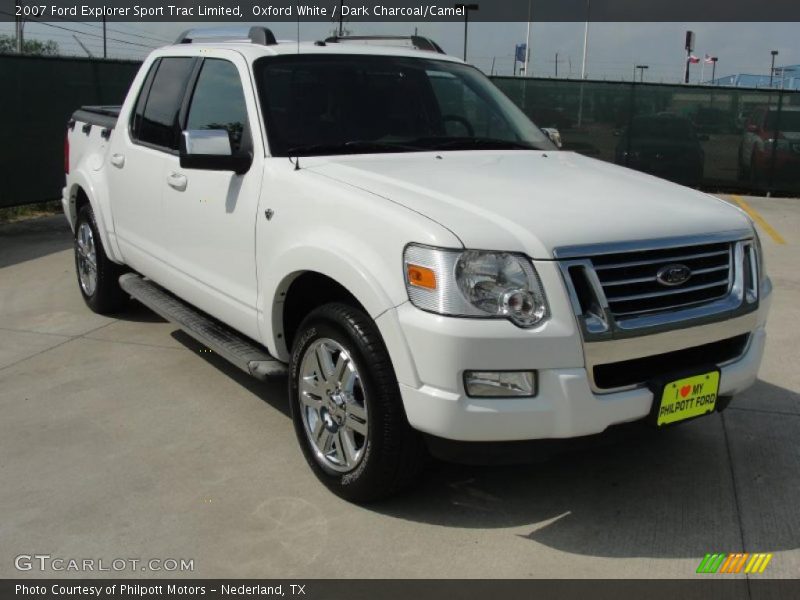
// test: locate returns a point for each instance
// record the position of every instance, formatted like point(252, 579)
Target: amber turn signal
point(421, 277)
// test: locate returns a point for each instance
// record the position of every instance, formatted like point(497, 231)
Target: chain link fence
point(716, 138)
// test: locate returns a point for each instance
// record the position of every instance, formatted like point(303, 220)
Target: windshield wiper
point(475, 143)
point(352, 147)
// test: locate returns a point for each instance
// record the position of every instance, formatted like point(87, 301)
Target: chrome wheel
point(87, 258)
point(333, 405)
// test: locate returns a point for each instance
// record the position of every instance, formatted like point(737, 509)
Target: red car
point(760, 140)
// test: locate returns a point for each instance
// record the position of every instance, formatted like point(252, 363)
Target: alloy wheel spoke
point(324, 362)
point(347, 446)
point(355, 422)
point(341, 369)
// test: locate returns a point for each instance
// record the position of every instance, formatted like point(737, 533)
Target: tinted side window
point(138, 113)
point(159, 125)
point(218, 101)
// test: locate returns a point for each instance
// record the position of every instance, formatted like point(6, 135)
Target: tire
point(349, 404)
point(98, 277)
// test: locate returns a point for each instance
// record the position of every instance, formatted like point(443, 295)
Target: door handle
point(177, 181)
point(118, 160)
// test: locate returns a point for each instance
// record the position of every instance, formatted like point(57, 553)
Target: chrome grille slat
point(653, 278)
point(671, 292)
point(672, 306)
point(665, 261)
point(630, 285)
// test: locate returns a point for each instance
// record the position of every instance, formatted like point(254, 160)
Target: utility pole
point(20, 25)
point(341, 19)
point(585, 42)
point(714, 60)
point(466, 8)
point(105, 52)
point(641, 71)
point(772, 67)
point(689, 47)
point(556, 65)
point(528, 40)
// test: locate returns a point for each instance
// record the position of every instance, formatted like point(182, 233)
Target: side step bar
point(231, 345)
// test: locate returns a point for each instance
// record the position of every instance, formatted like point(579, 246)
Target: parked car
point(713, 121)
point(664, 145)
point(430, 280)
point(766, 134)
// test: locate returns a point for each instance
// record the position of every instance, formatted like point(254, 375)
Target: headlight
point(473, 283)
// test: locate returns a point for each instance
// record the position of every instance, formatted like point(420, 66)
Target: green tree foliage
point(8, 45)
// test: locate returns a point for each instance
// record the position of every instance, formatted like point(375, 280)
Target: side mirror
point(210, 149)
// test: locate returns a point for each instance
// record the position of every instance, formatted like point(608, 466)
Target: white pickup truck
point(387, 227)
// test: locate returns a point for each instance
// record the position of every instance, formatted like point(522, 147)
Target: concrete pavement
point(121, 438)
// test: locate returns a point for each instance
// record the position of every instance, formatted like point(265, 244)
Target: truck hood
point(532, 201)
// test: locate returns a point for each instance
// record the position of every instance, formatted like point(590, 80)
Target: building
point(787, 77)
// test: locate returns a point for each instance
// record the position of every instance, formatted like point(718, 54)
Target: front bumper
point(430, 354)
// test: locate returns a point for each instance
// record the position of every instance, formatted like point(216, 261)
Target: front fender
point(348, 262)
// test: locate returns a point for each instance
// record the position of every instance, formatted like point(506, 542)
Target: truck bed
point(102, 116)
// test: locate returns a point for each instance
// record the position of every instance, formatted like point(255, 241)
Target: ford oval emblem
point(672, 275)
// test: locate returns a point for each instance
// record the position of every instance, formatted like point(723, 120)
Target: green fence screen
point(38, 96)
point(717, 138)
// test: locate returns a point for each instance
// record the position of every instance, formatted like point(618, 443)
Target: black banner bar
point(242, 11)
point(705, 587)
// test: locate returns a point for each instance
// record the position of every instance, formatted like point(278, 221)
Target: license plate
point(688, 398)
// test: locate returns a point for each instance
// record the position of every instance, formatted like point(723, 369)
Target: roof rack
point(256, 35)
point(417, 41)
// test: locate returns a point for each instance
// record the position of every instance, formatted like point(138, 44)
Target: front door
point(211, 215)
point(137, 163)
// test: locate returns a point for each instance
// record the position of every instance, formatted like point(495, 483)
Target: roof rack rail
point(417, 41)
point(256, 35)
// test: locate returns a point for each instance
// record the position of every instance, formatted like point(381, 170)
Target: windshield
point(347, 104)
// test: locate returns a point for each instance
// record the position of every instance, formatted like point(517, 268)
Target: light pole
point(641, 71)
point(528, 39)
point(583, 64)
point(466, 8)
point(714, 60)
point(772, 66)
point(585, 42)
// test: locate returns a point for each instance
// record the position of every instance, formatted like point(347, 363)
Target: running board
point(229, 344)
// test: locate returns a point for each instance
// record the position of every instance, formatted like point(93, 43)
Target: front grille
point(630, 284)
point(641, 370)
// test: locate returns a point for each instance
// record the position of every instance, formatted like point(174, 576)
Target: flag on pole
point(693, 59)
point(707, 59)
point(521, 51)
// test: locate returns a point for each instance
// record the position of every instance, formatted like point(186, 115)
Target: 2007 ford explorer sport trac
point(386, 226)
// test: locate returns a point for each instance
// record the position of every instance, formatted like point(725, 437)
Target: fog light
point(500, 384)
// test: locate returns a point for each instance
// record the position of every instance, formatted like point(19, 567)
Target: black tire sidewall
point(107, 296)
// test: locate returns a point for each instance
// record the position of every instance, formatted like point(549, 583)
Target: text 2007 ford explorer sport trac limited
point(387, 227)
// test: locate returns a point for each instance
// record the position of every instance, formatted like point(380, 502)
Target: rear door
point(211, 215)
point(138, 163)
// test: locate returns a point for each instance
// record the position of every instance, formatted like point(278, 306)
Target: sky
point(613, 51)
